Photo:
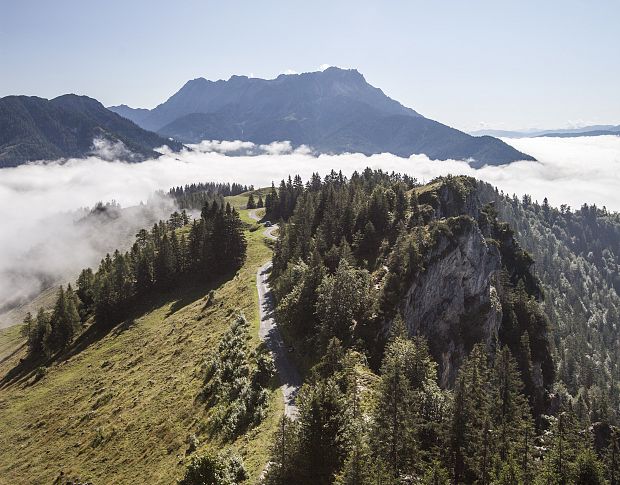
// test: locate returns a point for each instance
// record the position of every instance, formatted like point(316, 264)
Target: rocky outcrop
point(453, 197)
point(453, 301)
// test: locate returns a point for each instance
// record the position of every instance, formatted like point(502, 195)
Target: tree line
point(194, 196)
point(173, 250)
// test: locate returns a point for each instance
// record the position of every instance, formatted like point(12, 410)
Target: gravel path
point(269, 333)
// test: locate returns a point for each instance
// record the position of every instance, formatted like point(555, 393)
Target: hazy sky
point(470, 64)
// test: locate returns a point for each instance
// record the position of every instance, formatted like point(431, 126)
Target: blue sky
point(470, 64)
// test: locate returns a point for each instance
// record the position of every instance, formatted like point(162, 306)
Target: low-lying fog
point(41, 241)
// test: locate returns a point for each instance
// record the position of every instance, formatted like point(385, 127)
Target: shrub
point(209, 468)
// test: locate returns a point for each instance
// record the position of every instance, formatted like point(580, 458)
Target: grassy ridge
point(122, 409)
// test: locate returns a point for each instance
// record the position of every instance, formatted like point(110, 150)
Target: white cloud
point(322, 67)
point(110, 151)
point(39, 237)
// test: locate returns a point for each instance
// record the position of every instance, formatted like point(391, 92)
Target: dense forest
point(577, 256)
point(385, 399)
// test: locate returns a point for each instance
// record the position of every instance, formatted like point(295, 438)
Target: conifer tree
point(405, 369)
point(38, 336)
point(164, 263)
point(65, 320)
point(470, 434)
point(322, 427)
point(510, 409)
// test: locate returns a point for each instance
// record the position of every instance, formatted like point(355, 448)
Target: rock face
point(476, 285)
point(453, 302)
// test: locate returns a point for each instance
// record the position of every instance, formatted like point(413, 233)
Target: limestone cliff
point(476, 285)
point(454, 301)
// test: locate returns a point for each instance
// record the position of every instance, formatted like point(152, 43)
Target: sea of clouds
point(41, 240)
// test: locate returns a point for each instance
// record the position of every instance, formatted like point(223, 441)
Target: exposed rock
point(453, 301)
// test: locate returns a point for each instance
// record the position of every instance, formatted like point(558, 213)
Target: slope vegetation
point(124, 407)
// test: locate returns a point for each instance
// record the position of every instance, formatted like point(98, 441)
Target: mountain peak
point(334, 110)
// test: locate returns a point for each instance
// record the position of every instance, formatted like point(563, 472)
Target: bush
point(206, 469)
point(215, 469)
point(235, 379)
point(40, 373)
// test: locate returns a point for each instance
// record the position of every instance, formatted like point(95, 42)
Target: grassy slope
point(121, 410)
point(10, 341)
point(241, 200)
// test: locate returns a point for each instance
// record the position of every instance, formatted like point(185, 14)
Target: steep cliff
point(476, 285)
point(454, 301)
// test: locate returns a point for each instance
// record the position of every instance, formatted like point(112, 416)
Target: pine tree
point(510, 409)
point(164, 263)
point(251, 203)
point(38, 336)
point(27, 325)
point(405, 369)
point(322, 426)
point(588, 469)
point(65, 320)
point(470, 436)
point(144, 271)
point(85, 287)
point(564, 444)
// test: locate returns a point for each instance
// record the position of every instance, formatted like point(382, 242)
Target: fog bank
point(40, 241)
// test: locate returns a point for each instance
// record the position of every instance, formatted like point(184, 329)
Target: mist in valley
point(48, 232)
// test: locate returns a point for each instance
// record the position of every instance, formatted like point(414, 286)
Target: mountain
point(332, 111)
point(33, 128)
point(594, 130)
point(612, 132)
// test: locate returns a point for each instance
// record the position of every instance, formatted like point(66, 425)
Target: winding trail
point(269, 333)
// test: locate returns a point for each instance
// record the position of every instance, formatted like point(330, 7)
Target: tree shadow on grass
point(195, 292)
point(181, 294)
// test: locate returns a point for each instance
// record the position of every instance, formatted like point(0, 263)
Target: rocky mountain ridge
point(332, 111)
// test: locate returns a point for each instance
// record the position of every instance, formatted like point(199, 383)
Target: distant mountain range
point(594, 130)
point(332, 111)
point(33, 128)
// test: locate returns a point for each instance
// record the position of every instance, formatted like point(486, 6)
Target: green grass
point(121, 410)
point(10, 341)
point(240, 201)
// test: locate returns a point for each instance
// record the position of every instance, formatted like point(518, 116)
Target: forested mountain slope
point(424, 289)
point(132, 394)
point(34, 128)
point(577, 254)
